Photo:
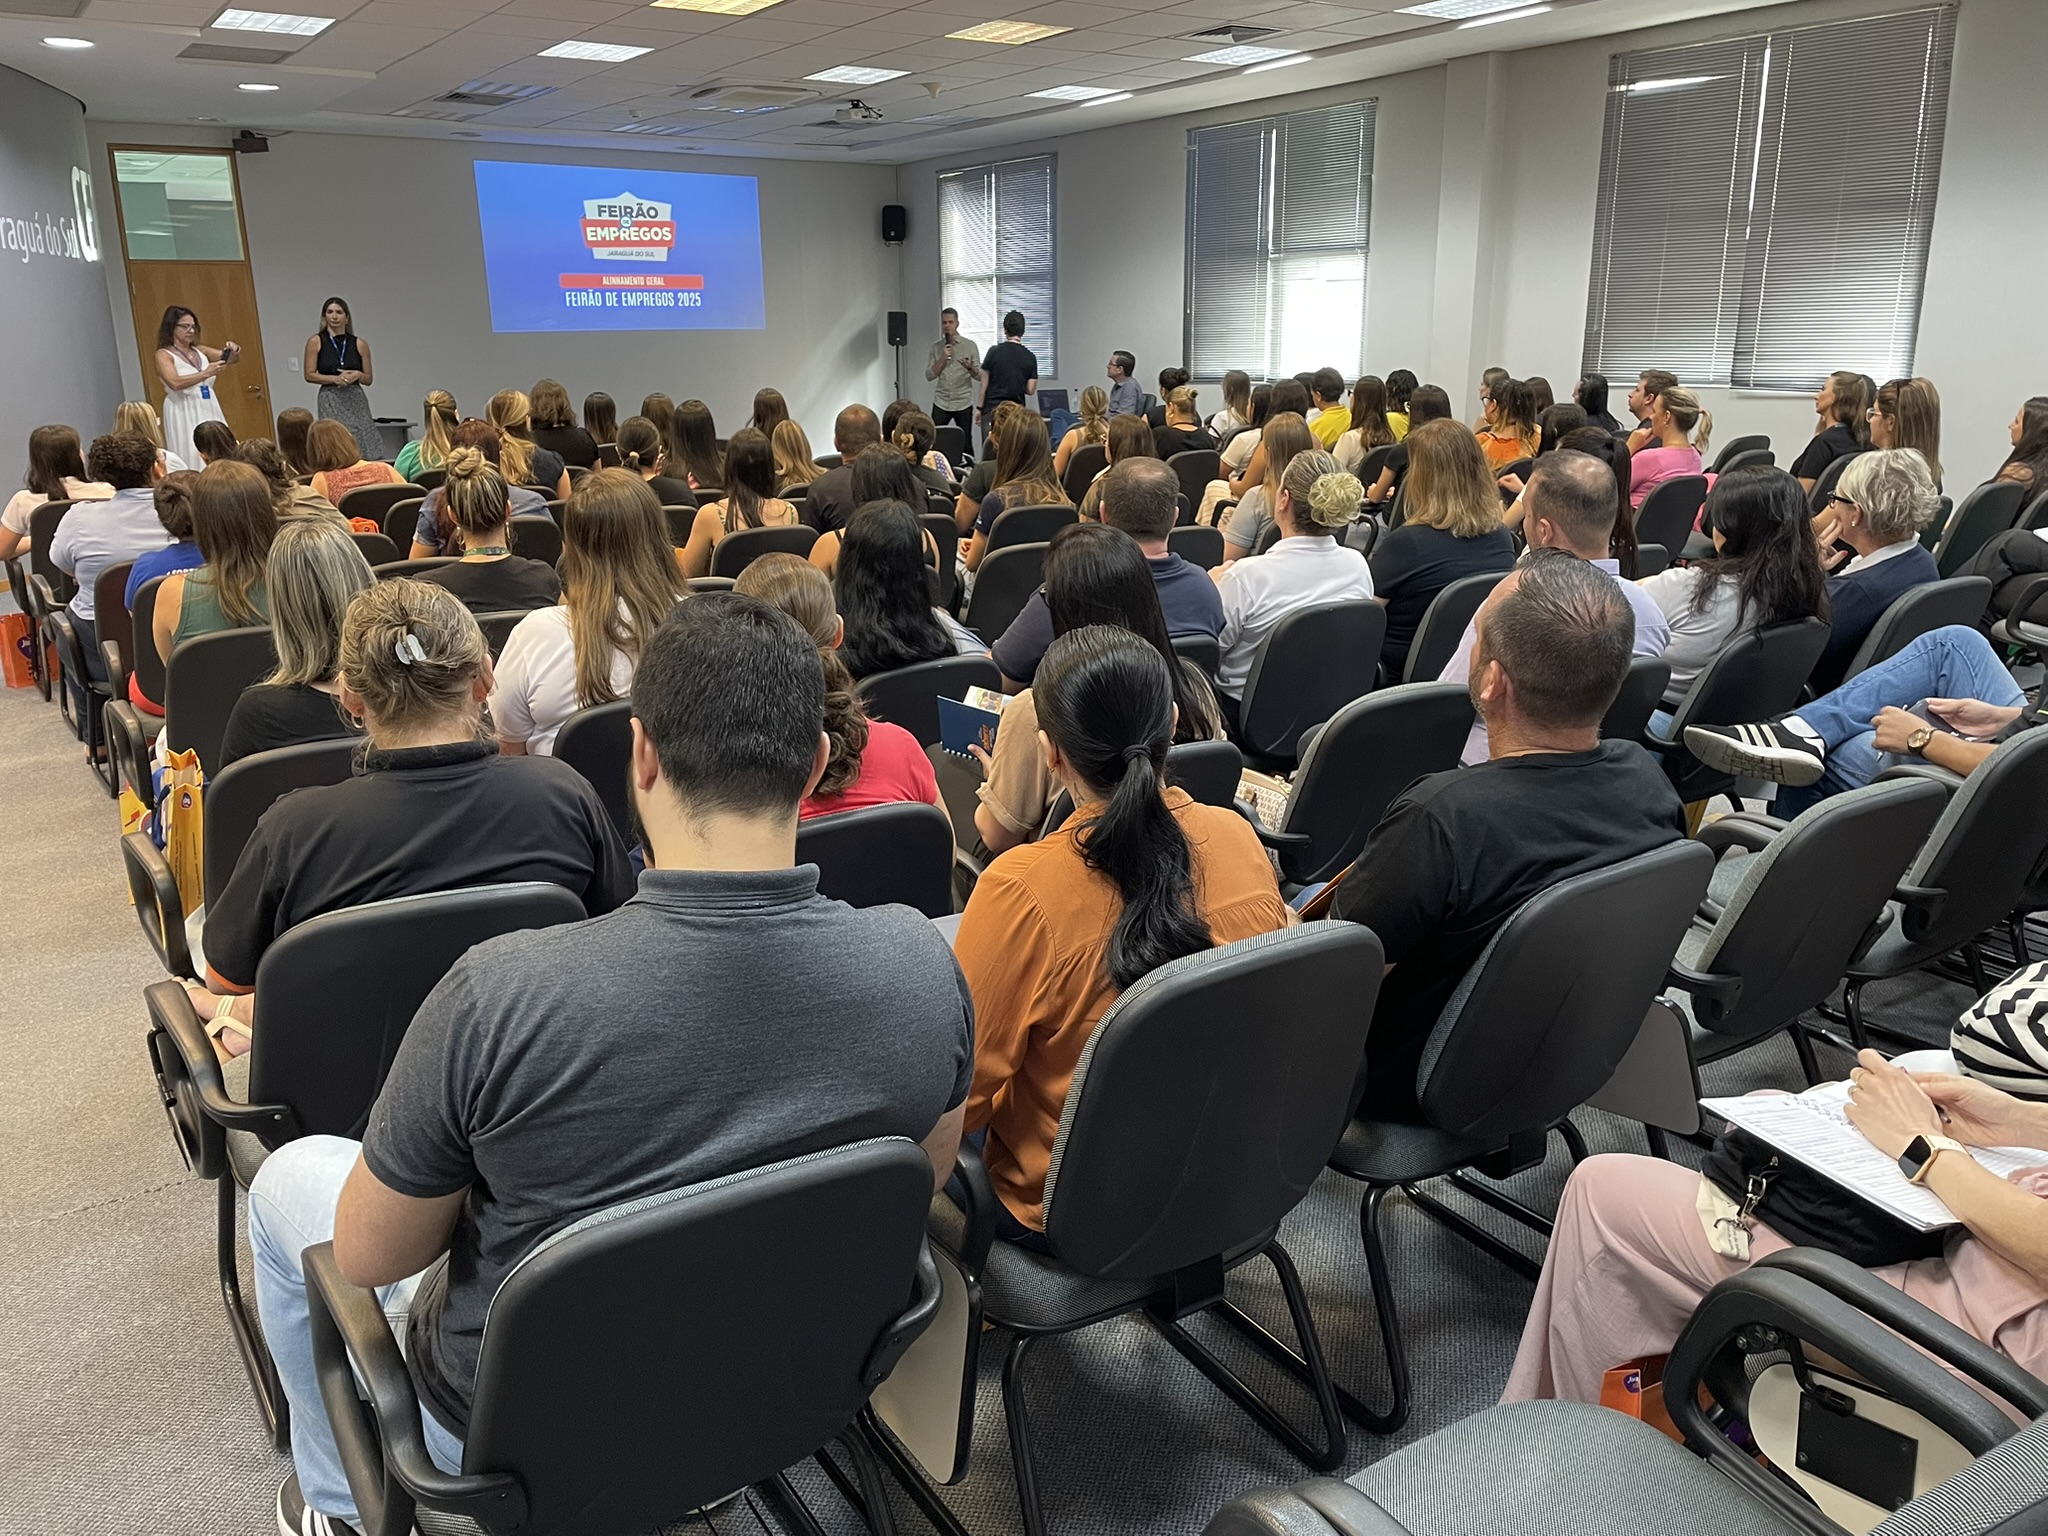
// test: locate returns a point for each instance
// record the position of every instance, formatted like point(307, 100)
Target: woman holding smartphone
point(187, 371)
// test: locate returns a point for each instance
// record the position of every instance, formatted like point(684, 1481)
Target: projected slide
point(598, 248)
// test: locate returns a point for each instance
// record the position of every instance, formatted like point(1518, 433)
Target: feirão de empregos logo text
point(628, 228)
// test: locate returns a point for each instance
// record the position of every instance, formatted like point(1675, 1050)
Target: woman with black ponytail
point(1139, 876)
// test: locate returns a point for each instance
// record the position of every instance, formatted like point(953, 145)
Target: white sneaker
point(295, 1517)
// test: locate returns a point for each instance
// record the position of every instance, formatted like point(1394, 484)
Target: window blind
point(1766, 203)
point(997, 252)
point(1279, 228)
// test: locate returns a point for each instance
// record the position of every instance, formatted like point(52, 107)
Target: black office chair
point(144, 665)
point(1756, 677)
point(1443, 625)
point(83, 711)
point(373, 501)
point(1205, 651)
point(1517, 467)
point(1981, 516)
point(430, 479)
point(1354, 767)
point(591, 1412)
point(1668, 513)
point(1209, 771)
point(1026, 525)
point(1735, 448)
point(42, 527)
point(828, 461)
point(1083, 465)
point(334, 997)
point(1824, 484)
point(377, 548)
point(202, 683)
point(2034, 514)
point(1270, 535)
point(412, 567)
point(1002, 586)
point(1642, 691)
point(1537, 1028)
point(742, 547)
point(1315, 661)
point(1958, 600)
point(1195, 468)
point(945, 534)
point(1754, 458)
point(681, 520)
point(909, 696)
point(952, 442)
point(498, 626)
point(1197, 546)
point(1160, 1185)
point(709, 583)
point(881, 854)
point(401, 521)
point(1930, 536)
point(598, 743)
point(534, 537)
point(1650, 559)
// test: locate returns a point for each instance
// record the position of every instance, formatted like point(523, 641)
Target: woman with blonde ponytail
point(488, 576)
point(1679, 429)
point(523, 461)
point(1093, 427)
point(430, 449)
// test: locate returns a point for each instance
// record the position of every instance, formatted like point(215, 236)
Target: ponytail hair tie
point(1137, 753)
point(409, 649)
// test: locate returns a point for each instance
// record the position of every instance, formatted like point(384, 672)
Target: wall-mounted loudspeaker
point(899, 328)
point(895, 223)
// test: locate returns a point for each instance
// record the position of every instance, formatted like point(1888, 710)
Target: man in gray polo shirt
point(954, 367)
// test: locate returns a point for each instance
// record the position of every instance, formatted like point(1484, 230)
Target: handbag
point(1809, 1209)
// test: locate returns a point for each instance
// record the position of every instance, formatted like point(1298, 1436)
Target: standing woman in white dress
point(188, 371)
point(338, 361)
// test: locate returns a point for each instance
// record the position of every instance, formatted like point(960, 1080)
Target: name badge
point(206, 391)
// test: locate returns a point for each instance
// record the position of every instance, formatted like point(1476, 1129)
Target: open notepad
point(1813, 1128)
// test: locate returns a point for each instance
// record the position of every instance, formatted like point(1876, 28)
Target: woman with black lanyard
point(339, 362)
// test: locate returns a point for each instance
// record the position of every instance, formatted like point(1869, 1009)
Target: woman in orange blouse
point(1510, 432)
point(338, 467)
point(1140, 875)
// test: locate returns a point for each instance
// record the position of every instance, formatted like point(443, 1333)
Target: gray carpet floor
point(124, 1411)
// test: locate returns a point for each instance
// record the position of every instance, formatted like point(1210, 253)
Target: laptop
point(1051, 400)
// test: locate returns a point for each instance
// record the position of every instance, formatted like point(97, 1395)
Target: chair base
point(256, 1361)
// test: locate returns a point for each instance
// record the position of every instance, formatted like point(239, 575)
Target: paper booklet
point(1814, 1128)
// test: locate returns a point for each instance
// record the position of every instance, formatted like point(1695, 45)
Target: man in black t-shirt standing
point(1459, 851)
point(1009, 371)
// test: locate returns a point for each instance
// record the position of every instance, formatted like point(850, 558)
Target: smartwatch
point(1919, 1155)
point(1917, 742)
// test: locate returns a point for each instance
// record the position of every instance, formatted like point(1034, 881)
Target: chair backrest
point(1516, 467)
point(1197, 545)
point(1208, 1099)
point(1642, 690)
point(1757, 676)
point(1650, 559)
point(204, 678)
point(1083, 465)
point(240, 793)
point(598, 743)
point(1958, 600)
point(1205, 651)
point(42, 523)
point(1986, 512)
point(881, 854)
point(1977, 852)
point(681, 520)
point(373, 501)
point(952, 442)
point(1002, 586)
point(377, 548)
point(400, 521)
point(339, 990)
point(498, 626)
point(1270, 535)
point(1443, 624)
point(1315, 661)
point(1805, 904)
point(909, 696)
point(1735, 448)
point(1930, 536)
point(430, 479)
point(1824, 484)
point(1196, 467)
point(1558, 995)
point(828, 461)
point(742, 547)
point(1027, 525)
point(1208, 770)
point(710, 583)
point(535, 538)
point(2034, 514)
point(591, 1381)
point(1755, 458)
point(412, 567)
point(1667, 514)
point(1374, 465)
point(945, 533)
point(110, 609)
point(1372, 749)
point(144, 663)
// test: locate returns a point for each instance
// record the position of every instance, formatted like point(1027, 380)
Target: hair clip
point(409, 649)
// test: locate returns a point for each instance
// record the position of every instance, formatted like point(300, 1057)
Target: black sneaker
point(295, 1517)
point(1768, 752)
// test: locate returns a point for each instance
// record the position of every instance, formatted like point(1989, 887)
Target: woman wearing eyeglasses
point(1907, 414)
point(1883, 500)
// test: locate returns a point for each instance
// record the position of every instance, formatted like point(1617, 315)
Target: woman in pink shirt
point(1679, 427)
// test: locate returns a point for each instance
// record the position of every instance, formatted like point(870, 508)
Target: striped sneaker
point(295, 1517)
point(1769, 752)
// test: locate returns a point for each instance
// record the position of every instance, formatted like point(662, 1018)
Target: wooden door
point(223, 295)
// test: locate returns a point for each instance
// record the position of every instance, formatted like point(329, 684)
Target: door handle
point(254, 389)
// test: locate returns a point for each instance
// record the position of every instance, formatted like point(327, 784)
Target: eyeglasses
point(1835, 497)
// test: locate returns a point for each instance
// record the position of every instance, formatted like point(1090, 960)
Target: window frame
point(1046, 326)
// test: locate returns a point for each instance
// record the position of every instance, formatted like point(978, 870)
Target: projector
point(857, 112)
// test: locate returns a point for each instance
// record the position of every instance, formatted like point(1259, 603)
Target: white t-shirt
point(536, 680)
point(1239, 450)
point(1696, 638)
point(22, 505)
point(1257, 594)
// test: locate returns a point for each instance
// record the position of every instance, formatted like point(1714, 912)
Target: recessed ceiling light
point(1242, 54)
point(714, 7)
point(1458, 10)
point(856, 74)
point(600, 53)
point(1103, 101)
point(255, 85)
point(1076, 93)
point(66, 42)
point(1487, 21)
point(272, 21)
point(1012, 32)
point(1292, 58)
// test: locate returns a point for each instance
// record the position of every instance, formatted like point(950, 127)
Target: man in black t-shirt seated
point(1008, 371)
point(725, 1018)
point(1459, 851)
point(828, 505)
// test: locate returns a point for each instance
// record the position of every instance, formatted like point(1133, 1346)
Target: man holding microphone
point(955, 365)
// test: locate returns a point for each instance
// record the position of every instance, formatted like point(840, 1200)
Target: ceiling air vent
point(741, 97)
point(659, 130)
point(224, 53)
point(1231, 34)
point(488, 94)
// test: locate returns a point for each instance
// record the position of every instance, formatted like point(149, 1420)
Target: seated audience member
point(338, 464)
point(101, 533)
point(1613, 452)
point(213, 440)
point(1679, 428)
point(1369, 427)
point(619, 582)
point(866, 1003)
point(1459, 851)
point(1879, 506)
point(1489, 381)
point(912, 433)
point(693, 446)
point(881, 473)
point(1183, 431)
point(520, 458)
point(643, 452)
point(872, 762)
point(1554, 423)
point(314, 573)
point(1284, 396)
point(601, 421)
point(139, 417)
point(432, 807)
point(173, 499)
point(982, 474)
point(1331, 418)
point(1316, 503)
point(1129, 438)
point(1426, 404)
point(489, 578)
point(555, 429)
point(1170, 379)
point(661, 411)
point(1946, 697)
point(795, 467)
point(770, 412)
point(288, 494)
point(1631, 1256)
point(1244, 441)
point(1140, 496)
point(2014, 557)
point(430, 449)
point(234, 521)
point(1906, 413)
point(1540, 395)
point(1126, 397)
point(882, 589)
point(1765, 571)
point(1093, 575)
point(2027, 464)
point(1236, 414)
point(1451, 529)
point(293, 424)
point(1140, 875)
point(1284, 437)
point(1569, 506)
point(1401, 387)
point(1023, 478)
point(56, 472)
point(435, 533)
point(1651, 383)
point(748, 501)
point(1591, 395)
point(1842, 431)
point(831, 502)
point(1511, 431)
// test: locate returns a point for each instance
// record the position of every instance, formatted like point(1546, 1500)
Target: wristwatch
point(1919, 1155)
point(1917, 742)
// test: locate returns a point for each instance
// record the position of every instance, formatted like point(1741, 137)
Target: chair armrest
point(117, 668)
point(1321, 1506)
point(1933, 773)
point(979, 1207)
point(1746, 830)
point(46, 595)
point(159, 906)
point(2032, 591)
point(1923, 906)
point(171, 1010)
point(1714, 997)
point(907, 1328)
point(1292, 848)
point(128, 747)
point(384, 1449)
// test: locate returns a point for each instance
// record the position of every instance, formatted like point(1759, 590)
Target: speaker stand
point(898, 349)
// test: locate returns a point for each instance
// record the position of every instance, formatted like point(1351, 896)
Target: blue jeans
point(1951, 663)
point(291, 1207)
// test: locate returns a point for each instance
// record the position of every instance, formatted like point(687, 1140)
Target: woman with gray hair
point(1879, 506)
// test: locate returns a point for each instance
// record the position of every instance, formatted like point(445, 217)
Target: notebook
point(970, 721)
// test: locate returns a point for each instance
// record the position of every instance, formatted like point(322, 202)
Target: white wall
point(391, 225)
